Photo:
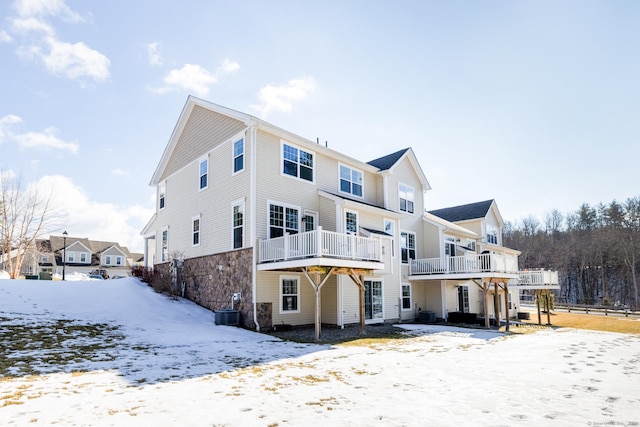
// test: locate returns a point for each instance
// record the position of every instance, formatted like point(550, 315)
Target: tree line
point(595, 249)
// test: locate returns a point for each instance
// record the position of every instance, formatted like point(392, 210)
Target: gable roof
point(447, 225)
point(464, 212)
point(388, 163)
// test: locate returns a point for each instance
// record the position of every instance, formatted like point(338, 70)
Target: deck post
point(485, 295)
point(496, 303)
point(506, 305)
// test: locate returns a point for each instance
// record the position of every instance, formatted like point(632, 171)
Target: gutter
point(252, 196)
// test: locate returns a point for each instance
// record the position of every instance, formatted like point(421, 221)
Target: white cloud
point(194, 78)
point(27, 25)
point(5, 37)
point(190, 77)
point(155, 58)
point(119, 172)
point(42, 140)
point(281, 98)
point(75, 61)
point(96, 220)
point(56, 8)
point(228, 67)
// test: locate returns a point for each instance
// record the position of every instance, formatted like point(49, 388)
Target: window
point(108, 260)
point(164, 246)
point(296, 162)
point(350, 181)
point(161, 192)
point(289, 295)
point(238, 155)
point(492, 234)
point(471, 244)
point(351, 222)
point(204, 172)
point(83, 257)
point(407, 198)
point(282, 220)
point(407, 246)
point(118, 260)
point(71, 257)
point(195, 231)
point(406, 297)
point(373, 300)
point(44, 258)
point(238, 226)
point(463, 299)
point(449, 246)
point(309, 221)
point(389, 228)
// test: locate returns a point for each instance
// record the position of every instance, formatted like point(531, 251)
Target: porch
point(468, 265)
point(538, 279)
point(320, 247)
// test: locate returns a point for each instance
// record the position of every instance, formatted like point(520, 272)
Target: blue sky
point(535, 104)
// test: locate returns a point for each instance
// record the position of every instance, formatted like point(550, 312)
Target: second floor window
point(297, 162)
point(238, 155)
point(161, 197)
point(350, 181)
point(204, 172)
point(351, 222)
point(407, 198)
point(492, 234)
point(407, 246)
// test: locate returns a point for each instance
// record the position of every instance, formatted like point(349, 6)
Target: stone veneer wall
point(211, 287)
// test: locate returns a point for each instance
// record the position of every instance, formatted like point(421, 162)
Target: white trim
point(403, 284)
point(297, 177)
point(193, 219)
point(200, 174)
point(280, 280)
point(344, 219)
point(413, 192)
point(241, 203)
point(162, 230)
point(233, 154)
point(376, 279)
point(285, 206)
point(415, 248)
point(394, 237)
point(351, 169)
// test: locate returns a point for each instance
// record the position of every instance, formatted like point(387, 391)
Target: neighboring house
point(81, 255)
point(305, 234)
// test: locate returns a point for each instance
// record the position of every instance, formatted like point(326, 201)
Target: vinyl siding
point(269, 291)
point(204, 131)
point(329, 301)
point(184, 200)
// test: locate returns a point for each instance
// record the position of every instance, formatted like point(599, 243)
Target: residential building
point(304, 234)
point(82, 255)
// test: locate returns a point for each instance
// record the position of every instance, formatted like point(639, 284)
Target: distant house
point(81, 255)
point(306, 234)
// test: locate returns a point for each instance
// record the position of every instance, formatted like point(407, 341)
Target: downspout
point(252, 196)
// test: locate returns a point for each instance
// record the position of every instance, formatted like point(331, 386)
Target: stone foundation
point(211, 281)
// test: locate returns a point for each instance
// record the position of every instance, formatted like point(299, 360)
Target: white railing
point(469, 263)
point(319, 243)
point(537, 278)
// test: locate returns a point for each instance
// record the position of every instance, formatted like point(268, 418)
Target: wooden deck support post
point(506, 306)
point(496, 303)
point(538, 296)
point(317, 281)
point(547, 295)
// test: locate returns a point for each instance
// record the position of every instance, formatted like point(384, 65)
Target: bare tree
point(25, 215)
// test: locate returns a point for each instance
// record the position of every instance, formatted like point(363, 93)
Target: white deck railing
point(469, 263)
point(319, 243)
point(538, 278)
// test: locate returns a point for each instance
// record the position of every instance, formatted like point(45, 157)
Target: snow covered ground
point(117, 353)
